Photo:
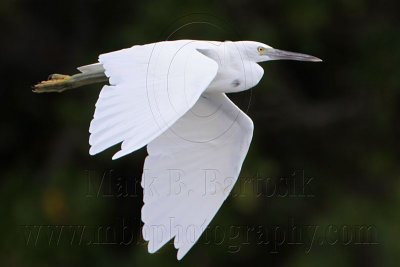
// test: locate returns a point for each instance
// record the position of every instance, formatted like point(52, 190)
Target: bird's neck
point(236, 72)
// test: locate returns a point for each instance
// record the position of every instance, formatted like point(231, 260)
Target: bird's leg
point(60, 82)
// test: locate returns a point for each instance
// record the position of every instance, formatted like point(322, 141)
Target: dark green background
point(338, 122)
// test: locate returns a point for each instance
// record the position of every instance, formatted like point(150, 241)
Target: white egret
point(171, 97)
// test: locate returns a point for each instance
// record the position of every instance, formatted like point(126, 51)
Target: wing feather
point(190, 170)
point(151, 87)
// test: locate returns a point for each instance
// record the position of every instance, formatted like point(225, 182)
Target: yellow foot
point(55, 83)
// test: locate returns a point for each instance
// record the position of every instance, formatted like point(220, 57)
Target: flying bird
point(171, 96)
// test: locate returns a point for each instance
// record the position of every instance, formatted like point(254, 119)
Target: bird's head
point(259, 52)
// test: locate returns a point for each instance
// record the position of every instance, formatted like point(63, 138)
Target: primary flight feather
point(171, 97)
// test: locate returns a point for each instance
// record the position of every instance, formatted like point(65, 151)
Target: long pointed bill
point(276, 54)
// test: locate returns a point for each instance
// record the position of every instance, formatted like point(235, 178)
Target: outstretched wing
point(151, 86)
point(190, 170)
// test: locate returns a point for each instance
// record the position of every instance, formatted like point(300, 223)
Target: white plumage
point(192, 172)
point(171, 97)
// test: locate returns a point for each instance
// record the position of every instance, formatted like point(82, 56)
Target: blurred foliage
point(337, 121)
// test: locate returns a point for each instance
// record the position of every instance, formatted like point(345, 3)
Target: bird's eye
point(260, 50)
